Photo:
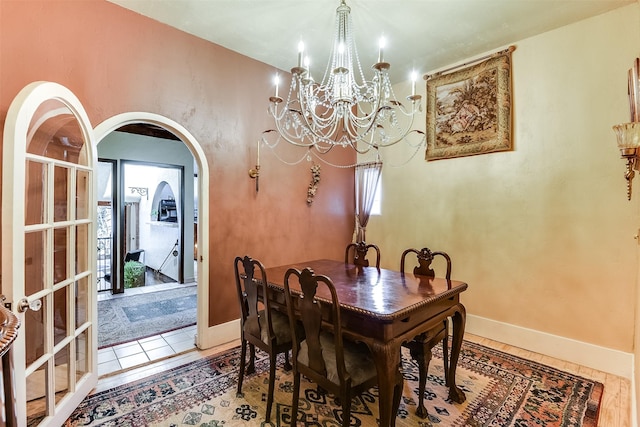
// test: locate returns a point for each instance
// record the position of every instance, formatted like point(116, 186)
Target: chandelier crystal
point(343, 109)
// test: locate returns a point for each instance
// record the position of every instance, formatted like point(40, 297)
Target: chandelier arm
point(306, 107)
point(399, 138)
point(326, 162)
point(311, 144)
point(304, 156)
point(354, 145)
point(295, 138)
point(287, 137)
point(417, 148)
point(322, 149)
point(319, 132)
point(319, 123)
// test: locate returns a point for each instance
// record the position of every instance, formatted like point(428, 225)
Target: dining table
point(384, 308)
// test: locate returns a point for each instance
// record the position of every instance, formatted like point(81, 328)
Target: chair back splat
point(356, 253)
point(425, 258)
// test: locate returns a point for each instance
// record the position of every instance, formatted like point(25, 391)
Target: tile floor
point(145, 350)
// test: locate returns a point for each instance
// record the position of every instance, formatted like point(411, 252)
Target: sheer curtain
point(367, 177)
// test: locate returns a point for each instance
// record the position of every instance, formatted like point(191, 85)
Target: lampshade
point(628, 135)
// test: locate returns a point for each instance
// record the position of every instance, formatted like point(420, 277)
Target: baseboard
point(219, 334)
point(600, 358)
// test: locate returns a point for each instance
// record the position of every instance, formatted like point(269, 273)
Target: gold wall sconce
point(628, 136)
point(255, 172)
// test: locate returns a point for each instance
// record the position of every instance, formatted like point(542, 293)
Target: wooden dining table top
point(382, 294)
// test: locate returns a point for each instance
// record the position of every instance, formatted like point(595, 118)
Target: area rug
point(129, 317)
point(501, 390)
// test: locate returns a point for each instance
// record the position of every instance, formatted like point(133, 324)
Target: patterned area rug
point(501, 390)
point(130, 317)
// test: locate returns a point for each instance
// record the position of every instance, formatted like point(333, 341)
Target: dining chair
point(342, 367)
point(420, 347)
point(359, 251)
point(260, 325)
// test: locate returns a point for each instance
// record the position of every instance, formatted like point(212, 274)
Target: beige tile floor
point(135, 353)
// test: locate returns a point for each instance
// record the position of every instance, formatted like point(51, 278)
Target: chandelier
point(343, 109)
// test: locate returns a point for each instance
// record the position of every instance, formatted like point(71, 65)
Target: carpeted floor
point(130, 317)
point(501, 389)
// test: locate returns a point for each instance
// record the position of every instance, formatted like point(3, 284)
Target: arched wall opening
point(202, 196)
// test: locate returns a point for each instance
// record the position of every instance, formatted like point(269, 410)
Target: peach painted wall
point(116, 61)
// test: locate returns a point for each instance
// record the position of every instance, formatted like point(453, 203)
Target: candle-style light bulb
point(300, 53)
point(276, 81)
point(414, 77)
point(258, 157)
point(381, 46)
point(308, 79)
point(341, 49)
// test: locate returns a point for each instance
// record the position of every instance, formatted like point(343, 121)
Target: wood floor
point(615, 410)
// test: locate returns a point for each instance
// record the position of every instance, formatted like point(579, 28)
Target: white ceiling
point(424, 35)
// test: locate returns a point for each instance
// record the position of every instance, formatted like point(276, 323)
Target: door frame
point(206, 336)
point(122, 174)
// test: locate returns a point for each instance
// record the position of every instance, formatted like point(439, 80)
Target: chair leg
point(272, 380)
point(243, 355)
point(252, 359)
point(296, 397)
point(287, 363)
point(397, 395)
point(420, 351)
point(445, 351)
point(445, 356)
point(424, 372)
point(346, 408)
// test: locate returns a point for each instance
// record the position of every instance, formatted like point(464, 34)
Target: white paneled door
point(48, 251)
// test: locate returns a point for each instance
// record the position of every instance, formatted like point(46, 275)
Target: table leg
point(387, 360)
point(459, 319)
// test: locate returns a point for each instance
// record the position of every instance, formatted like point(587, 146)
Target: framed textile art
point(469, 110)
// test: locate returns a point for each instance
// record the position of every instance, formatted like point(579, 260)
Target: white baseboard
point(218, 334)
point(600, 358)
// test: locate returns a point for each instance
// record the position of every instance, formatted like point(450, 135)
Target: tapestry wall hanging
point(469, 109)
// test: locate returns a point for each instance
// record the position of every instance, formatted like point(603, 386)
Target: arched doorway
point(202, 235)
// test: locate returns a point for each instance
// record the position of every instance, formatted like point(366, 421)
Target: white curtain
point(367, 177)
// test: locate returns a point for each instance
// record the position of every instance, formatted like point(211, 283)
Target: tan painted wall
point(543, 234)
point(116, 61)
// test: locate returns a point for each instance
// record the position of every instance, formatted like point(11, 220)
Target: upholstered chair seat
point(280, 325)
point(357, 359)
